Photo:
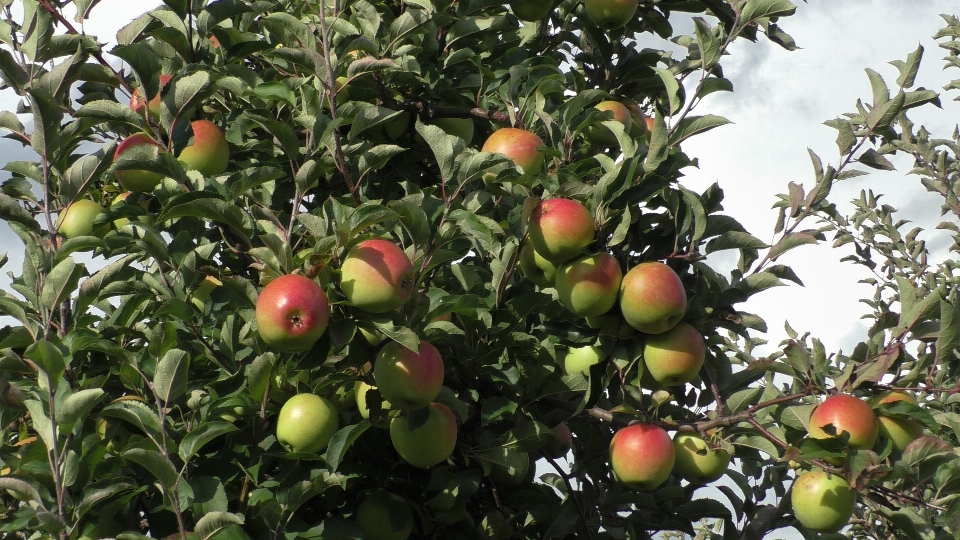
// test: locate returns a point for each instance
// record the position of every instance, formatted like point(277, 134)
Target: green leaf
point(60, 283)
point(21, 486)
point(84, 172)
point(790, 241)
point(692, 125)
point(708, 42)
point(874, 160)
point(213, 523)
point(77, 406)
point(401, 334)
point(160, 467)
point(948, 339)
point(341, 442)
point(182, 95)
point(103, 110)
point(672, 88)
point(289, 30)
point(908, 70)
point(136, 413)
point(11, 73)
point(170, 380)
point(495, 408)
point(47, 117)
point(204, 433)
point(49, 359)
point(734, 240)
point(881, 116)
point(12, 211)
point(758, 9)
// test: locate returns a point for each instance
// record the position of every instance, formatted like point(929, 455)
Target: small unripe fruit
point(610, 14)
point(385, 516)
point(137, 179)
point(598, 134)
point(696, 461)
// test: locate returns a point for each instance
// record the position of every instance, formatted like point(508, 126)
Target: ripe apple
point(579, 359)
point(202, 292)
point(846, 413)
point(562, 442)
point(406, 379)
point(377, 276)
point(137, 179)
point(119, 201)
point(520, 146)
point(508, 466)
point(78, 218)
point(822, 501)
point(540, 271)
point(696, 461)
point(589, 286)
point(210, 153)
point(427, 444)
point(560, 228)
point(900, 431)
point(306, 423)
point(642, 456)
point(139, 103)
point(598, 134)
point(652, 298)
point(292, 313)
point(385, 516)
point(610, 14)
point(674, 357)
point(531, 10)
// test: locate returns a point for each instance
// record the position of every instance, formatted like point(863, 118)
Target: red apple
point(139, 103)
point(642, 456)
point(210, 153)
point(137, 179)
point(519, 145)
point(560, 228)
point(652, 298)
point(610, 14)
point(531, 10)
point(847, 414)
point(822, 501)
point(598, 134)
point(900, 431)
point(292, 313)
point(429, 443)
point(589, 286)
point(78, 218)
point(406, 379)
point(377, 276)
point(674, 357)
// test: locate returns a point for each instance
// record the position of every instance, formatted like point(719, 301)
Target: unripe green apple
point(78, 218)
point(598, 134)
point(377, 276)
point(114, 433)
point(638, 120)
point(429, 443)
point(373, 337)
point(652, 298)
point(642, 456)
point(119, 201)
point(531, 10)
point(610, 14)
point(361, 390)
point(696, 461)
point(560, 229)
point(210, 153)
point(138, 101)
point(406, 379)
point(540, 271)
point(306, 423)
point(520, 146)
point(508, 466)
point(458, 127)
point(900, 431)
point(561, 443)
point(137, 179)
point(674, 357)
point(292, 313)
point(589, 286)
point(822, 501)
point(847, 414)
point(202, 292)
point(385, 516)
point(579, 359)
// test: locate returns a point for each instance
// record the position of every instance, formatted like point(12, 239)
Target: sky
point(780, 102)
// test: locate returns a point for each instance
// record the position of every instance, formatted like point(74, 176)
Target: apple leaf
point(693, 125)
point(212, 523)
point(201, 435)
point(757, 9)
point(342, 441)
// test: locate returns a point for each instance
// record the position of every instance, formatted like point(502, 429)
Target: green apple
point(120, 200)
point(377, 276)
point(209, 154)
point(540, 271)
point(674, 357)
point(846, 413)
point(78, 218)
point(521, 146)
point(202, 292)
point(598, 134)
point(696, 461)
point(561, 443)
point(306, 423)
point(114, 433)
point(589, 286)
point(385, 516)
point(638, 120)
point(425, 444)
point(900, 431)
point(642, 456)
point(458, 127)
point(407, 379)
point(652, 298)
point(381, 419)
point(610, 14)
point(560, 229)
point(531, 10)
point(822, 501)
point(508, 466)
point(579, 359)
point(292, 313)
point(137, 179)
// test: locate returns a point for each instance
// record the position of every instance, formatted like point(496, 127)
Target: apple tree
point(414, 269)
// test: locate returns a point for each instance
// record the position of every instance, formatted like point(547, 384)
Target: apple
point(373, 337)
point(520, 145)
point(139, 103)
point(822, 501)
point(900, 431)
point(458, 127)
point(119, 201)
point(540, 271)
point(425, 444)
point(306, 423)
point(589, 286)
point(292, 313)
point(114, 433)
point(638, 120)
point(674, 357)
point(202, 292)
point(642, 456)
point(137, 179)
point(531, 10)
point(579, 359)
point(508, 466)
point(652, 298)
point(377, 276)
point(385, 516)
point(696, 461)
point(397, 126)
point(598, 134)
point(210, 153)
point(847, 414)
point(406, 379)
point(610, 14)
point(360, 389)
point(562, 442)
point(78, 218)
point(560, 229)
point(10, 395)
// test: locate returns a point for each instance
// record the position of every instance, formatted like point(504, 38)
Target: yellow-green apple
point(361, 390)
point(638, 120)
point(579, 359)
point(406, 379)
point(78, 218)
point(458, 127)
point(377, 276)
point(610, 14)
point(306, 423)
point(137, 179)
point(508, 466)
point(140, 104)
point(114, 433)
point(642, 456)
point(540, 271)
point(531, 10)
point(425, 444)
point(520, 145)
point(373, 337)
point(210, 153)
point(119, 201)
point(560, 228)
point(696, 461)
point(822, 501)
point(848, 414)
point(385, 516)
point(598, 134)
point(561, 443)
point(900, 431)
point(292, 313)
point(202, 292)
point(652, 298)
point(674, 357)
point(589, 286)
